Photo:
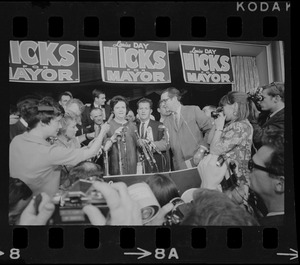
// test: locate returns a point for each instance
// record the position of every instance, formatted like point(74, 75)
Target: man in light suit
point(149, 129)
point(272, 102)
point(188, 128)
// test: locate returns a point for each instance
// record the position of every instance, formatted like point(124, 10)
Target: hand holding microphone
point(165, 129)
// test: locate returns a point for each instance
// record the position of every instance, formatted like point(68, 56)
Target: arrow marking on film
point(1, 253)
point(294, 255)
point(142, 254)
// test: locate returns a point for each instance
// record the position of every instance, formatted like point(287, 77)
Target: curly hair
point(211, 207)
point(45, 110)
point(275, 140)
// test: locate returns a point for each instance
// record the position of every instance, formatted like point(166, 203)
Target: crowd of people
point(237, 147)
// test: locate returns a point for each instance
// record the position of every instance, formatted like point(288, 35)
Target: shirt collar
point(146, 123)
point(273, 113)
point(33, 138)
point(275, 213)
point(23, 122)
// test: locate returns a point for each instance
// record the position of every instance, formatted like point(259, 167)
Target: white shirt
point(178, 113)
point(275, 213)
point(145, 128)
point(23, 122)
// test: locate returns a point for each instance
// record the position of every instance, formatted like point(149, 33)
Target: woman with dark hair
point(34, 160)
point(122, 140)
point(163, 187)
point(232, 133)
point(231, 136)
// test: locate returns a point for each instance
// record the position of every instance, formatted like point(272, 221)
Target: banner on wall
point(44, 62)
point(206, 65)
point(135, 62)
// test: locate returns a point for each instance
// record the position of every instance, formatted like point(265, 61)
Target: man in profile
point(267, 176)
point(188, 128)
point(272, 102)
point(162, 111)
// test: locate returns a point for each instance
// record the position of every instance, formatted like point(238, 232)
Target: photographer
point(271, 102)
point(232, 140)
point(123, 209)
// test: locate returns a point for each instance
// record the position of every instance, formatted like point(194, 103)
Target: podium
point(184, 179)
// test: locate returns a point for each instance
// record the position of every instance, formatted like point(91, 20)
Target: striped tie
point(143, 130)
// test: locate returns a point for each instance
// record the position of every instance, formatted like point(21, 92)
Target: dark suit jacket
point(159, 141)
point(16, 129)
point(85, 116)
point(276, 122)
point(186, 139)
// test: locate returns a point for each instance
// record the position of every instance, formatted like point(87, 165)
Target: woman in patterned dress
point(231, 136)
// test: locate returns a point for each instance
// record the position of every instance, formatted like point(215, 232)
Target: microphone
point(150, 143)
point(164, 128)
point(143, 147)
point(154, 147)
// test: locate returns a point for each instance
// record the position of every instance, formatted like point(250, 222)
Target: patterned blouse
point(236, 142)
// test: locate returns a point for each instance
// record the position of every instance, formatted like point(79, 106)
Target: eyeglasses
point(252, 165)
point(164, 100)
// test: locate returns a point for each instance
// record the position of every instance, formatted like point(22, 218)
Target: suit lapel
point(275, 117)
point(182, 116)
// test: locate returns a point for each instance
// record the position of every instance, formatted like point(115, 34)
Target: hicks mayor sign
point(44, 61)
point(208, 65)
point(134, 62)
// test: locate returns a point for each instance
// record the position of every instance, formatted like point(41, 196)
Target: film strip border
point(233, 20)
point(94, 244)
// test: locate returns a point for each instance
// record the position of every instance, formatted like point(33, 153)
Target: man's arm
point(204, 123)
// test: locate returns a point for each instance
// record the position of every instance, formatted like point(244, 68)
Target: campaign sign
point(44, 61)
point(208, 65)
point(134, 62)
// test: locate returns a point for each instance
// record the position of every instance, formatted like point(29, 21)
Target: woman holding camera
point(122, 141)
point(231, 136)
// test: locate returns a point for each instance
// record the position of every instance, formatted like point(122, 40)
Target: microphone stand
point(145, 151)
point(119, 154)
point(168, 147)
point(151, 156)
point(106, 164)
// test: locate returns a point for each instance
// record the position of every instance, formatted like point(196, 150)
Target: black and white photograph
point(181, 141)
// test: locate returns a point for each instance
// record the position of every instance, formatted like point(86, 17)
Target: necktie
point(176, 117)
point(143, 130)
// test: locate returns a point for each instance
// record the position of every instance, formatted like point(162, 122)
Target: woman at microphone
point(122, 141)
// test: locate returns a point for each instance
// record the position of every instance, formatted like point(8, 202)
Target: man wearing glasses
point(267, 177)
point(188, 128)
point(272, 102)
